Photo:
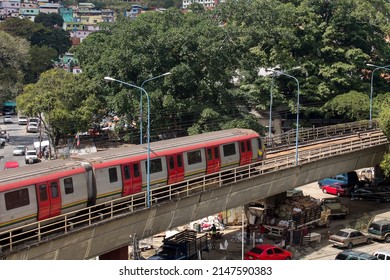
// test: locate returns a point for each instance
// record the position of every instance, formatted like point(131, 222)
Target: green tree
point(67, 102)
point(384, 121)
point(41, 59)
point(14, 55)
point(49, 20)
point(37, 34)
point(349, 106)
point(201, 55)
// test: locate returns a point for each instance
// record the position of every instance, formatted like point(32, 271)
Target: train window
point(54, 189)
point(136, 170)
point(194, 157)
point(216, 152)
point(126, 171)
point(171, 163)
point(229, 150)
point(179, 161)
point(15, 199)
point(113, 175)
point(249, 146)
point(243, 147)
point(68, 185)
point(209, 154)
point(155, 165)
point(42, 192)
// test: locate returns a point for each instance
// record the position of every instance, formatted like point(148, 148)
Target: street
point(17, 136)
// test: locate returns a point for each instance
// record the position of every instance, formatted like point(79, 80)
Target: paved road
point(18, 136)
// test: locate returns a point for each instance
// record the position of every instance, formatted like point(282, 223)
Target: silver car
point(19, 151)
point(7, 119)
point(349, 237)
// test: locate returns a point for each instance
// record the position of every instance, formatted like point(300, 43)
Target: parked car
point(373, 194)
point(19, 151)
point(349, 237)
point(335, 206)
point(22, 120)
point(380, 230)
point(337, 188)
point(354, 255)
point(350, 178)
point(32, 127)
point(367, 173)
point(7, 119)
point(2, 141)
point(294, 193)
point(267, 252)
point(31, 157)
point(382, 255)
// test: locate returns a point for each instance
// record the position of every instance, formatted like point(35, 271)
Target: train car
point(123, 171)
point(40, 191)
point(48, 189)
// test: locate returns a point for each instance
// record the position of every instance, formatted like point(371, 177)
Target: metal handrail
point(42, 231)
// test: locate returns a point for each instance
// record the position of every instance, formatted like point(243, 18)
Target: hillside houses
point(79, 20)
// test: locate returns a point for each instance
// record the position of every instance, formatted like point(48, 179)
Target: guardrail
point(42, 231)
point(308, 135)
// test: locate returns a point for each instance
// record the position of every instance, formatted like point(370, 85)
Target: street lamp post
point(140, 102)
point(148, 129)
point(297, 128)
point(271, 99)
point(371, 87)
point(270, 109)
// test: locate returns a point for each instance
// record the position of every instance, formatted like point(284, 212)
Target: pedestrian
point(213, 231)
point(262, 231)
point(7, 137)
point(248, 234)
point(46, 154)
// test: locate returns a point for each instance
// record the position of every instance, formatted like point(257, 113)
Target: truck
point(185, 245)
point(336, 207)
point(349, 178)
point(294, 213)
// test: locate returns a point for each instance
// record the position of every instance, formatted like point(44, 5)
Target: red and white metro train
point(48, 189)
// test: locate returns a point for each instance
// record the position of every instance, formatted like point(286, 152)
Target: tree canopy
point(14, 55)
point(65, 101)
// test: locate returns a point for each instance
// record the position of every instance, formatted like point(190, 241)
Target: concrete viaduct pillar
point(117, 254)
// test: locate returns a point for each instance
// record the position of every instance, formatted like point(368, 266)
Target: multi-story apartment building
point(49, 8)
point(9, 8)
point(29, 10)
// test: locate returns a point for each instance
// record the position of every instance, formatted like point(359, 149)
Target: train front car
point(41, 191)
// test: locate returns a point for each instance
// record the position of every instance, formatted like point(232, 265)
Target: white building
point(206, 3)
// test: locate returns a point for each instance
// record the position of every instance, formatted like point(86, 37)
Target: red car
point(336, 189)
point(267, 252)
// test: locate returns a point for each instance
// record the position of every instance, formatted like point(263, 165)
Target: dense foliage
point(218, 61)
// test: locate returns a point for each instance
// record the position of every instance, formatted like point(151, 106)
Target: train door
point(245, 152)
point(131, 178)
point(175, 168)
point(49, 199)
point(213, 159)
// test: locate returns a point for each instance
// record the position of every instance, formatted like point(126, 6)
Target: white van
point(382, 255)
